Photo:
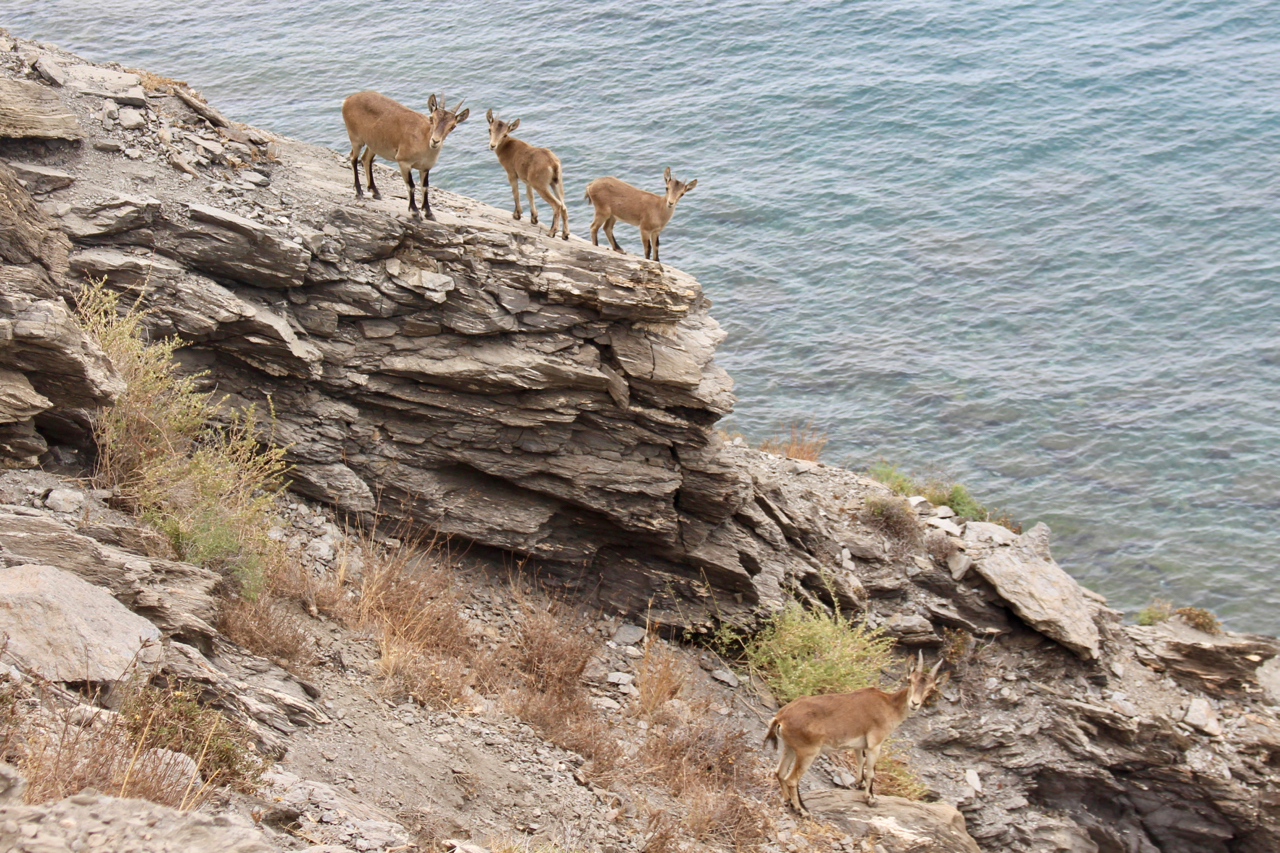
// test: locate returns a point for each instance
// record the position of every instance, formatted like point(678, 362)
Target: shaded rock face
point(46, 361)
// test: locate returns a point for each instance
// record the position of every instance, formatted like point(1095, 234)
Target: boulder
point(71, 631)
point(32, 111)
point(1036, 588)
point(176, 597)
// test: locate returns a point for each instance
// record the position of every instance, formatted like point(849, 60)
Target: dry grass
point(63, 747)
point(267, 627)
point(553, 647)
point(410, 600)
point(895, 777)
point(802, 442)
point(894, 517)
point(660, 677)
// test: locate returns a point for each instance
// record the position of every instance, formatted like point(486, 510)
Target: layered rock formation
point(548, 398)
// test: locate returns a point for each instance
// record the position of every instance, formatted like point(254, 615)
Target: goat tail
point(771, 737)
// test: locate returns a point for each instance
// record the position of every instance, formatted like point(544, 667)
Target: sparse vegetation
point(1200, 619)
point(940, 492)
point(895, 518)
point(803, 653)
point(62, 746)
point(209, 488)
point(802, 442)
point(895, 777)
point(1157, 611)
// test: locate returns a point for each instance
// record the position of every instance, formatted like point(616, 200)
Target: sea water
point(1030, 246)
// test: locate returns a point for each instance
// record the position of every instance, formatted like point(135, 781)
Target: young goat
point(381, 126)
point(860, 721)
point(539, 168)
point(614, 199)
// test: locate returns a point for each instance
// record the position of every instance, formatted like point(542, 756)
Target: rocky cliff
point(541, 396)
point(558, 402)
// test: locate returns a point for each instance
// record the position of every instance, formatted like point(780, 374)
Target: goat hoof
point(533, 220)
point(376, 194)
point(516, 216)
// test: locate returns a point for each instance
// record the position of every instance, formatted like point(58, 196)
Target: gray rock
point(71, 631)
point(1039, 591)
point(1200, 715)
point(628, 634)
point(41, 179)
point(177, 597)
point(131, 119)
point(725, 676)
point(64, 500)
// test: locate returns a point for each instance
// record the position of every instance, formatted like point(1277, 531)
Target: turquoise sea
point(1032, 246)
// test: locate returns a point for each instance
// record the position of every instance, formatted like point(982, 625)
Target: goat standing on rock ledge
point(614, 199)
point(539, 168)
point(381, 126)
point(860, 721)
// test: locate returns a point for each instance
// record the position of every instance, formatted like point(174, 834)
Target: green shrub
point(940, 492)
point(890, 476)
point(1157, 611)
point(209, 488)
point(802, 653)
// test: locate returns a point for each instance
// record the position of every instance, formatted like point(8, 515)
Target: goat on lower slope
point(860, 721)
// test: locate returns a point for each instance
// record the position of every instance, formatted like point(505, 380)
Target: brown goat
point(860, 721)
point(539, 168)
point(614, 199)
point(381, 126)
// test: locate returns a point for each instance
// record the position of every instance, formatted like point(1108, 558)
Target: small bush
point(1157, 611)
point(1200, 619)
point(210, 488)
point(956, 644)
point(889, 475)
point(803, 653)
point(893, 517)
point(266, 627)
point(802, 442)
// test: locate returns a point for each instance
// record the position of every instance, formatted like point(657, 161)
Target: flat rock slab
point(899, 825)
point(33, 111)
point(1040, 592)
point(121, 86)
point(69, 630)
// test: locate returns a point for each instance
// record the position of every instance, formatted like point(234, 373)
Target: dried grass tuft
point(802, 442)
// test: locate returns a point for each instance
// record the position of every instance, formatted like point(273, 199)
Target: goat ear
point(691, 185)
point(513, 125)
point(462, 116)
point(666, 174)
point(431, 103)
point(489, 115)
